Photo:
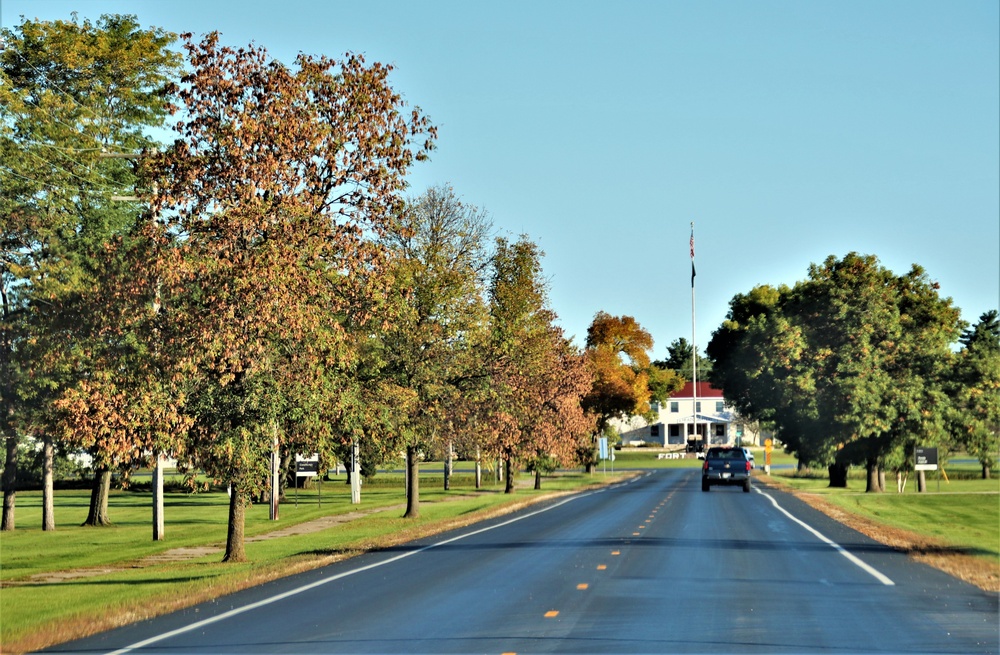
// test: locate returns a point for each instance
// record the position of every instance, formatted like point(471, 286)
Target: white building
point(679, 420)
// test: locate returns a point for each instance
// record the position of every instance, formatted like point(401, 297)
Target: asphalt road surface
point(650, 566)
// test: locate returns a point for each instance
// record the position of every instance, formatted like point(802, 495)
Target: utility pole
point(159, 532)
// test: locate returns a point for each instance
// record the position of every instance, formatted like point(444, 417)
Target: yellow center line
point(616, 552)
point(551, 613)
point(582, 586)
point(601, 567)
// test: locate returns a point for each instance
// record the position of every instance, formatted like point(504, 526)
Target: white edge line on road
point(878, 575)
point(318, 583)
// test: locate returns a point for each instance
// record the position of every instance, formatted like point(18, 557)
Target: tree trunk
point(538, 479)
point(881, 479)
point(447, 468)
point(48, 502)
point(592, 460)
point(838, 475)
point(98, 515)
point(921, 481)
point(235, 546)
point(872, 486)
point(509, 485)
point(986, 472)
point(287, 475)
point(412, 483)
point(9, 484)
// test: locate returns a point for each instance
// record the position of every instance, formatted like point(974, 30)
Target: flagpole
point(694, 349)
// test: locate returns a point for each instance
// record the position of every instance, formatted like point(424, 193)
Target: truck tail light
point(748, 466)
point(704, 467)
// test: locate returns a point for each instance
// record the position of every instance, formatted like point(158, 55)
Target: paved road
point(651, 566)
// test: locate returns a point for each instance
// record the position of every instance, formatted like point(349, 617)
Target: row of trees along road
point(855, 366)
point(259, 286)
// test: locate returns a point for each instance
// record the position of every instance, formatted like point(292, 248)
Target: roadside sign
point(925, 459)
point(603, 445)
point(307, 467)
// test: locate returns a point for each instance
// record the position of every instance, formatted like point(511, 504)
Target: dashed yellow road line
point(582, 586)
point(551, 613)
point(601, 567)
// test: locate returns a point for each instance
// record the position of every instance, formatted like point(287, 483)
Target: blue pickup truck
point(726, 466)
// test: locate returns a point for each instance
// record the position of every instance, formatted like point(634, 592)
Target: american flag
point(692, 255)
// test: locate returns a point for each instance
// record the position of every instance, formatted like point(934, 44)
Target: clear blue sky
point(786, 130)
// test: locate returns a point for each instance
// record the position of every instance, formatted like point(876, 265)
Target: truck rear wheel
point(704, 485)
point(746, 486)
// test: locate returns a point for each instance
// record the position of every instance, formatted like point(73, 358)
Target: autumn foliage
point(268, 290)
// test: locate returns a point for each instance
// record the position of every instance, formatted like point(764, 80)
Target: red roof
point(705, 390)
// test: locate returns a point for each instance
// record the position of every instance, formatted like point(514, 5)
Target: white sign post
point(355, 474)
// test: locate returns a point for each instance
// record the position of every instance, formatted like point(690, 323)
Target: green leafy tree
point(430, 351)
point(74, 96)
point(680, 360)
point(879, 343)
point(735, 358)
point(975, 388)
point(850, 360)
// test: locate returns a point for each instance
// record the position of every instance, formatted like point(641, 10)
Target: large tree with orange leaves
point(618, 356)
point(262, 247)
point(553, 417)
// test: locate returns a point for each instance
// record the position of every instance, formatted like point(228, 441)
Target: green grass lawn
point(34, 614)
point(958, 508)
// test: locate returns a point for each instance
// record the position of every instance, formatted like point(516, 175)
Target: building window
point(674, 407)
point(697, 406)
point(720, 429)
point(654, 430)
point(719, 407)
point(654, 406)
point(675, 430)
